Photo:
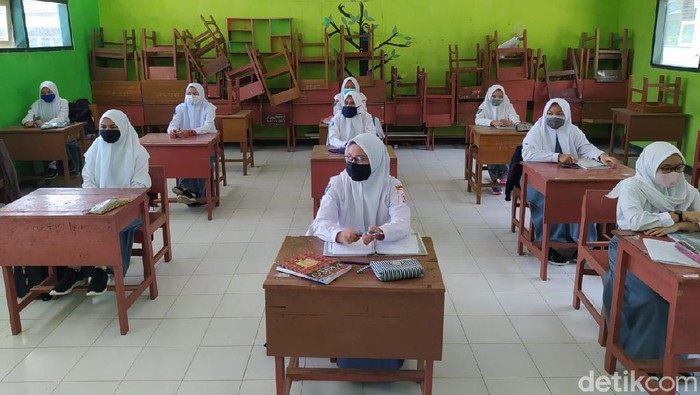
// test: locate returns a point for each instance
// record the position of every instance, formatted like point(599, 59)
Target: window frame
point(12, 4)
point(8, 44)
point(658, 39)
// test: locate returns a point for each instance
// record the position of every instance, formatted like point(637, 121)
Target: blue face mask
point(349, 111)
point(496, 102)
point(48, 98)
point(348, 90)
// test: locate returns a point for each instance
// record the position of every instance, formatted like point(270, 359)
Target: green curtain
point(18, 28)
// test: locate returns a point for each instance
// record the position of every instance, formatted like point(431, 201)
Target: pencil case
point(397, 269)
point(107, 205)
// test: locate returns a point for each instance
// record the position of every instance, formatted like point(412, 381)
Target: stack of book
point(688, 243)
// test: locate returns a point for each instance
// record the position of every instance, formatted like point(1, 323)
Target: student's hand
point(663, 231)
point(566, 159)
point(29, 124)
point(373, 233)
point(38, 122)
point(347, 236)
point(506, 122)
point(608, 160)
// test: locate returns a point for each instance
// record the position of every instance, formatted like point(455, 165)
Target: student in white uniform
point(657, 200)
point(554, 138)
point(349, 84)
point(350, 122)
point(115, 159)
point(195, 116)
point(496, 110)
point(52, 108)
point(364, 197)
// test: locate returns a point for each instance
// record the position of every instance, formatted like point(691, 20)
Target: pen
point(355, 263)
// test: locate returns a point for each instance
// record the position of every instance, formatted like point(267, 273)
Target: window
point(34, 24)
point(676, 41)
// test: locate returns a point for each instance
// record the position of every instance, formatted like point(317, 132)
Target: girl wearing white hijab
point(554, 138)
point(363, 197)
point(657, 200)
point(350, 122)
point(349, 84)
point(52, 108)
point(496, 110)
point(195, 116)
point(115, 159)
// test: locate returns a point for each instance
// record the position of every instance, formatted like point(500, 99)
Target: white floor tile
point(147, 388)
point(216, 266)
point(161, 363)
point(489, 329)
point(209, 388)
point(86, 388)
point(457, 362)
point(246, 283)
point(194, 306)
point(46, 364)
point(541, 329)
point(474, 386)
point(219, 363)
point(241, 305)
point(504, 361)
point(76, 332)
point(240, 331)
point(103, 364)
point(27, 388)
point(522, 386)
point(179, 333)
point(560, 360)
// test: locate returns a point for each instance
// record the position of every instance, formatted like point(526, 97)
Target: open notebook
point(666, 252)
point(585, 163)
point(409, 245)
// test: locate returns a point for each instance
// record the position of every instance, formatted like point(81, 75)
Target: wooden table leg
point(11, 296)
point(428, 378)
point(210, 207)
point(121, 297)
point(479, 176)
point(611, 149)
point(521, 215)
point(627, 146)
point(280, 380)
point(468, 167)
point(244, 148)
point(544, 250)
point(616, 310)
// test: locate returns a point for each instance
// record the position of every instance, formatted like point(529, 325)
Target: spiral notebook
point(409, 245)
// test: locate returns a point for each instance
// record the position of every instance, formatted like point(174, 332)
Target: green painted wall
point(431, 25)
point(640, 16)
point(22, 72)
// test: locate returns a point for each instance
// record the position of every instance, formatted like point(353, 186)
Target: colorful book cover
point(688, 252)
point(315, 267)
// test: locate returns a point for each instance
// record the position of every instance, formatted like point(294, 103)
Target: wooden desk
point(238, 128)
point(488, 146)
point(48, 228)
point(44, 144)
point(645, 126)
point(307, 319)
point(563, 191)
point(325, 165)
point(680, 287)
point(187, 158)
point(323, 132)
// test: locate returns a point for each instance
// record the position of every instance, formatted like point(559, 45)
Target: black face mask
point(358, 172)
point(109, 135)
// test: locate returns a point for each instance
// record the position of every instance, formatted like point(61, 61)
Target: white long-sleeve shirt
point(539, 144)
point(635, 212)
point(482, 120)
point(341, 129)
point(49, 114)
point(204, 119)
point(393, 214)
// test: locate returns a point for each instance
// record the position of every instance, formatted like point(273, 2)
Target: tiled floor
point(506, 332)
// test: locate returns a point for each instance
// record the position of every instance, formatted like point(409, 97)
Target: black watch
point(679, 213)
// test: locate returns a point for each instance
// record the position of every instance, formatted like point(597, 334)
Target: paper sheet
point(666, 252)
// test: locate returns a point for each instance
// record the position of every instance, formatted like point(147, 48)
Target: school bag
point(79, 111)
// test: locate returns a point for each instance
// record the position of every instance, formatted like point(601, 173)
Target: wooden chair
point(364, 54)
point(206, 58)
point(282, 71)
point(509, 63)
point(303, 57)
point(155, 54)
point(617, 54)
point(159, 219)
point(438, 105)
point(593, 256)
point(104, 54)
point(696, 165)
point(408, 105)
point(665, 90)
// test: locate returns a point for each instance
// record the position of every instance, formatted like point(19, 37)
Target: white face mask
point(192, 99)
point(667, 180)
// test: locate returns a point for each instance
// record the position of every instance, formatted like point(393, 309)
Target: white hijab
point(363, 197)
point(495, 112)
point(678, 197)
point(345, 81)
point(563, 133)
point(350, 127)
point(195, 115)
point(49, 111)
point(114, 163)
